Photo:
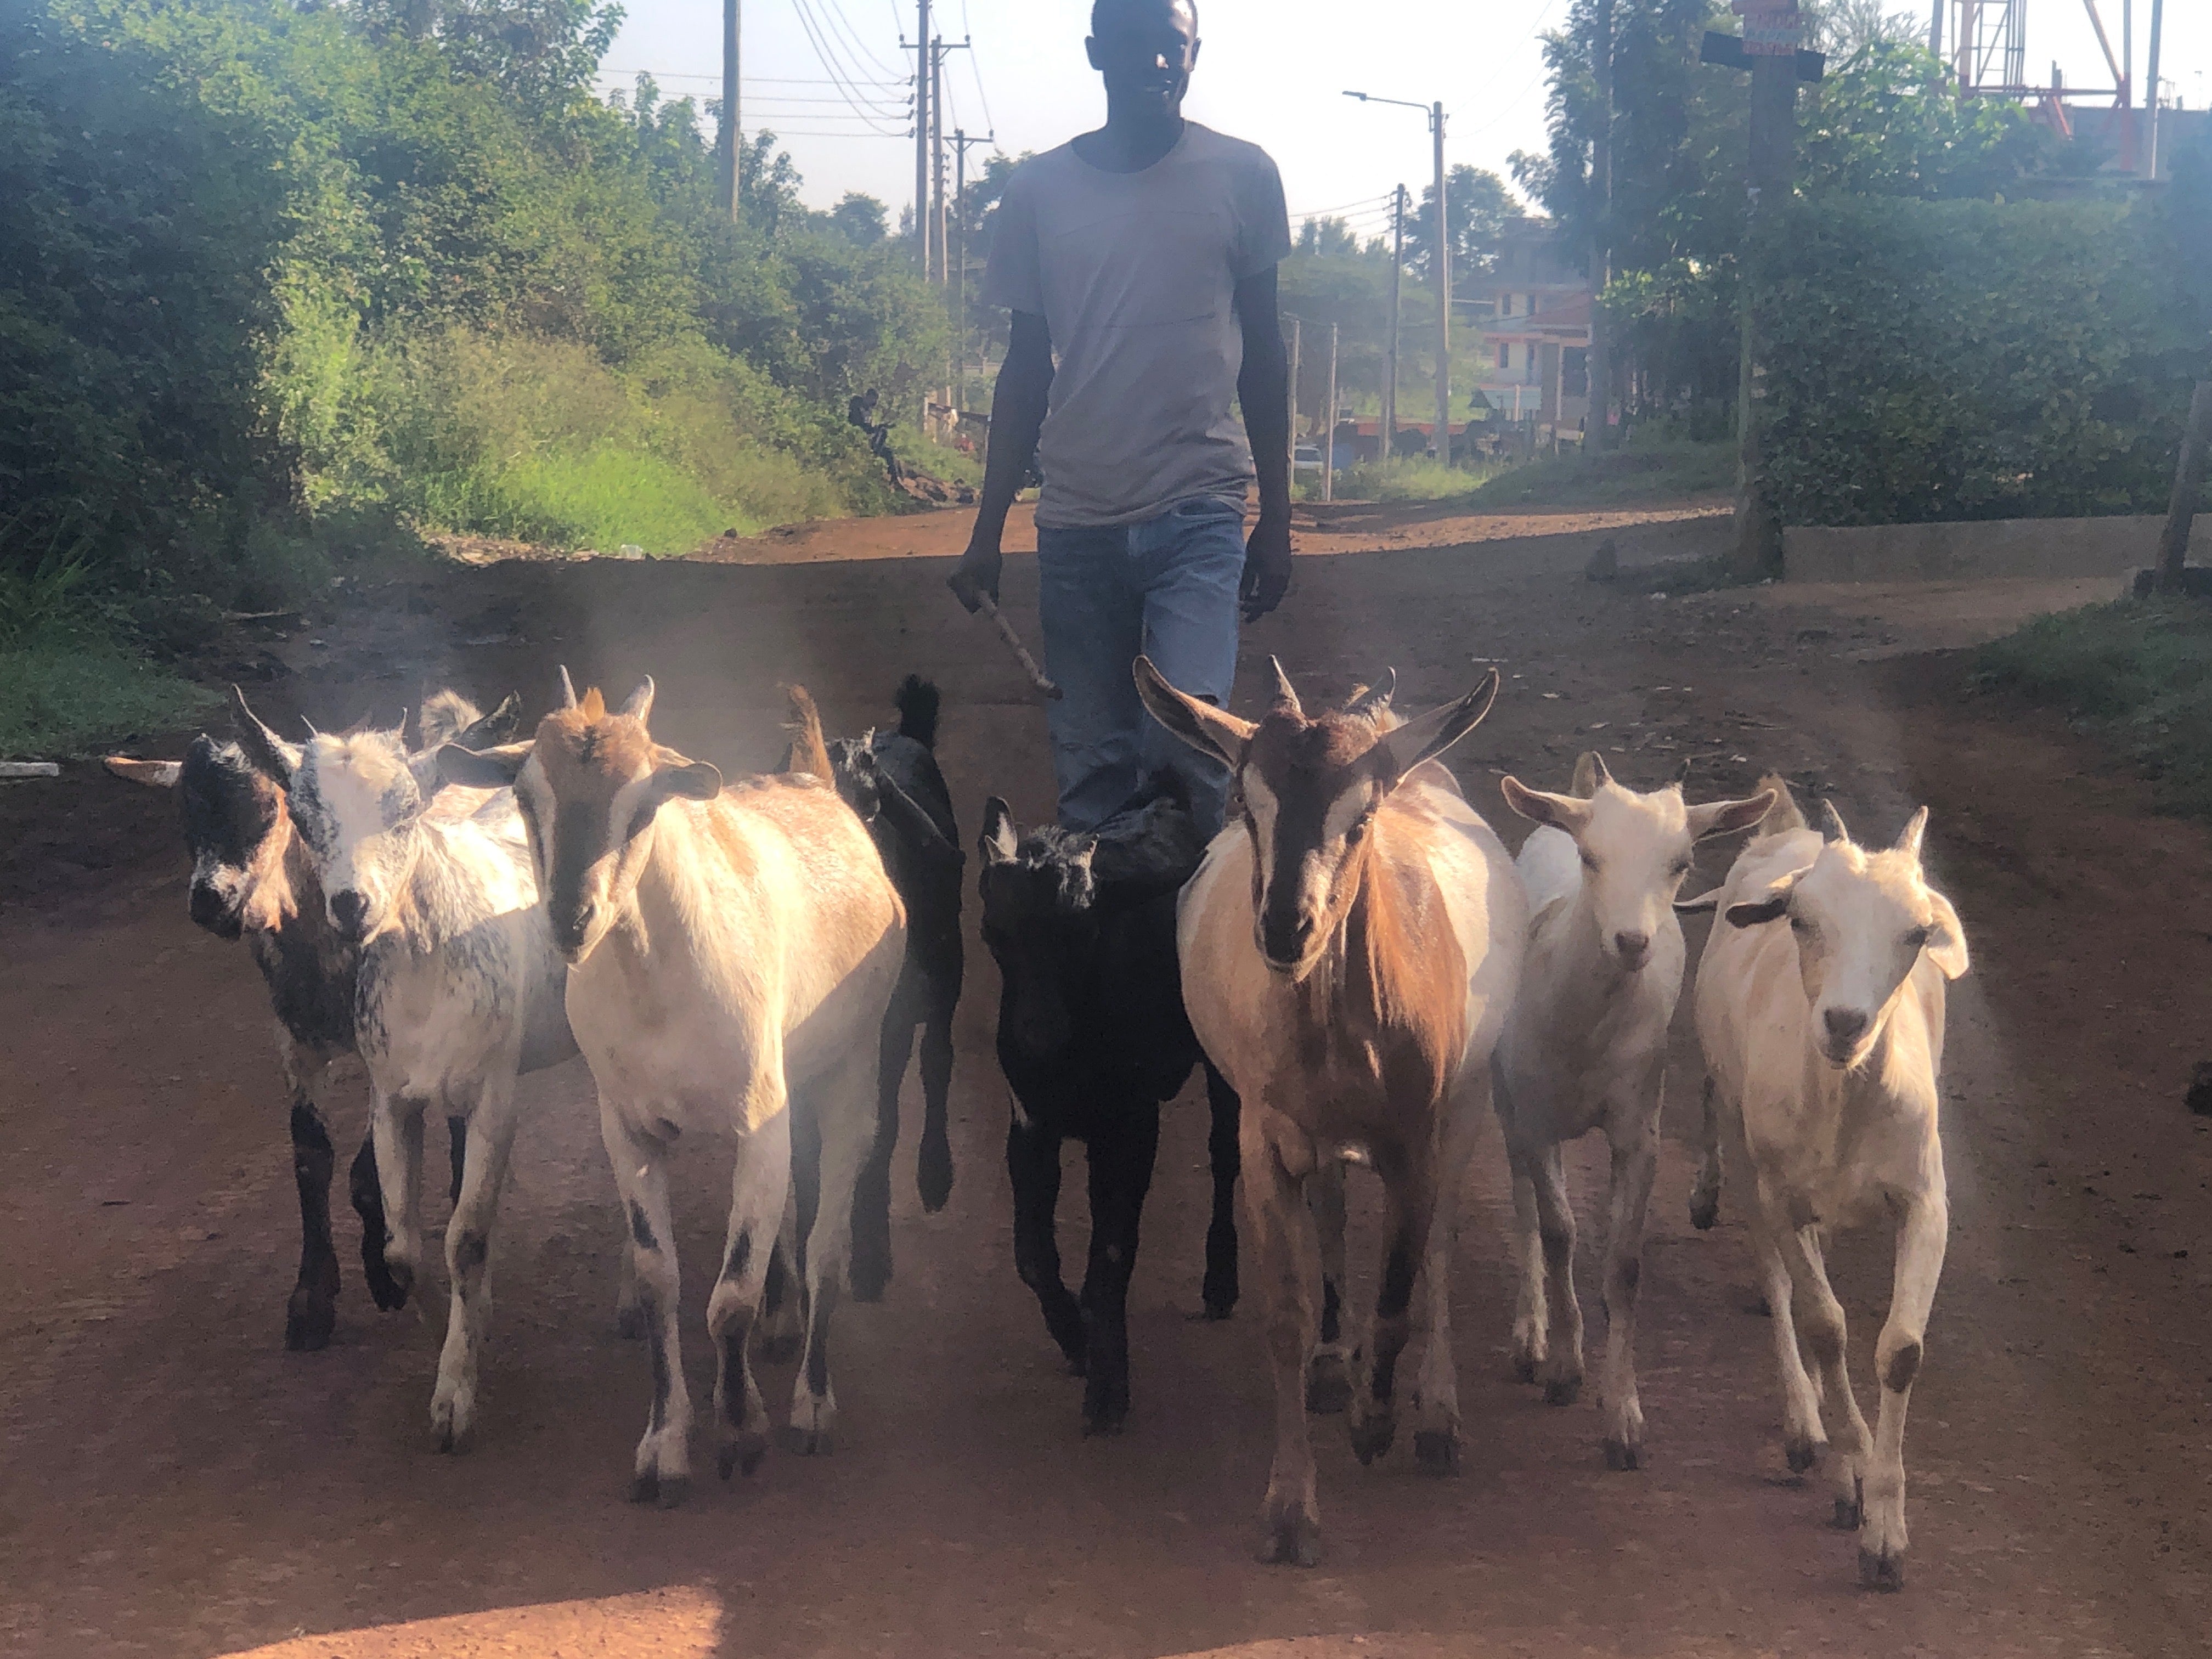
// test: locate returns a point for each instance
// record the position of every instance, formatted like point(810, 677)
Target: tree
point(1481, 209)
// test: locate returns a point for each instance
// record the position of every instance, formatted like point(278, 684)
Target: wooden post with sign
point(1769, 47)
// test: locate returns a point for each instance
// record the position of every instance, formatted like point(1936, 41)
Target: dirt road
point(173, 1483)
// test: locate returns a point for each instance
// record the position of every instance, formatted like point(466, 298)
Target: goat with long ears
point(1586, 1048)
point(1821, 1006)
point(1349, 948)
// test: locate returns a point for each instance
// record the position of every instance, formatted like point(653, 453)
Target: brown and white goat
point(731, 953)
point(1349, 949)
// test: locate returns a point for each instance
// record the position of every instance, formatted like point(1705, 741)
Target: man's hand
point(1267, 567)
point(976, 575)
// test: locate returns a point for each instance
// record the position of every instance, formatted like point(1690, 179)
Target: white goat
point(1349, 949)
point(732, 954)
point(1586, 1047)
point(458, 992)
point(1823, 1039)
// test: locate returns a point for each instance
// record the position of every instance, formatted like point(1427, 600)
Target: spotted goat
point(253, 879)
point(731, 953)
point(1349, 948)
point(457, 993)
point(1820, 1007)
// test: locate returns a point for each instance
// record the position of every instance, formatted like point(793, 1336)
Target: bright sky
point(1273, 71)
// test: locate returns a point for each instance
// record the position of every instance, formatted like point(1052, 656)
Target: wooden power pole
point(1328, 426)
point(922, 64)
point(1599, 364)
point(1443, 293)
point(2188, 486)
point(1295, 343)
point(730, 145)
point(1768, 48)
point(1389, 423)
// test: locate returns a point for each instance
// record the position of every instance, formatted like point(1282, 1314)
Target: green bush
point(1973, 359)
point(1644, 470)
point(2137, 673)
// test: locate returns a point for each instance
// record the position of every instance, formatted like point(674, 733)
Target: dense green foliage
point(1971, 360)
point(269, 270)
point(2137, 673)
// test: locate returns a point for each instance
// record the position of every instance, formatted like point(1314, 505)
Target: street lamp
point(1443, 255)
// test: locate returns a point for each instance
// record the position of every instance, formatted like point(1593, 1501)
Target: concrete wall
point(1968, 552)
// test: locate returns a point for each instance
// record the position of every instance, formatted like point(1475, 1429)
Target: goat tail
point(445, 716)
point(917, 701)
point(809, 753)
point(1784, 815)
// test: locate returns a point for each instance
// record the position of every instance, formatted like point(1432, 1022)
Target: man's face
point(1146, 49)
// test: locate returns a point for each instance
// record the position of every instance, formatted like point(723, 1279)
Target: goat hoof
point(1562, 1390)
point(1758, 1308)
point(932, 1175)
point(806, 1443)
point(1371, 1438)
point(1882, 1570)
point(779, 1347)
point(870, 1280)
point(741, 1455)
point(308, 1326)
point(1329, 1390)
point(1219, 1295)
point(1850, 1512)
point(1105, 1423)
point(1801, 1454)
point(1704, 1213)
point(629, 1323)
point(1524, 1368)
point(1435, 1451)
point(1291, 1540)
point(1621, 1456)
point(666, 1491)
point(389, 1282)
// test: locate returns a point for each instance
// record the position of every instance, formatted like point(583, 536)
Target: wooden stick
point(990, 609)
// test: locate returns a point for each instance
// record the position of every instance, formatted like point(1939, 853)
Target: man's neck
point(1130, 146)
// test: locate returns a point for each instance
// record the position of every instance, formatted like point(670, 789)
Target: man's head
point(1144, 49)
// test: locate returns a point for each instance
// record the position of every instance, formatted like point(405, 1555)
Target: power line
point(869, 113)
point(901, 83)
point(976, 69)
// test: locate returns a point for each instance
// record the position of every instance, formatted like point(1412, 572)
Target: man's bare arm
point(1017, 409)
point(1263, 387)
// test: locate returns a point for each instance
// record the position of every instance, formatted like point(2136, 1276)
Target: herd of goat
point(1364, 973)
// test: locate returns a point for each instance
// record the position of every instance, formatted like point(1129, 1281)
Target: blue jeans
point(1166, 588)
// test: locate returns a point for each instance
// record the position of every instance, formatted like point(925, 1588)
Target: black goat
point(252, 877)
point(891, 780)
point(1092, 1037)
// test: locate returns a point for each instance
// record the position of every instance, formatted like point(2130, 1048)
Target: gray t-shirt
point(1134, 274)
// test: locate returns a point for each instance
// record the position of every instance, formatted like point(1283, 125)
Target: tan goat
point(1349, 948)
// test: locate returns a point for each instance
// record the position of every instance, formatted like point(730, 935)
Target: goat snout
point(213, 910)
point(349, 912)
point(1285, 939)
point(1846, 1027)
point(1633, 949)
point(569, 933)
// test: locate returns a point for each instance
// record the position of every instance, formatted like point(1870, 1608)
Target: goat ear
point(271, 755)
point(496, 727)
point(1768, 906)
point(1909, 839)
point(1566, 812)
point(693, 780)
point(1214, 731)
point(1704, 904)
point(482, 768)
point(639, 707)
point(162, 774)
point(906, 817)
point(1428, 736)
point(1946, 939)
point(1590, 774)
point(999, 840)
point(1723, 817)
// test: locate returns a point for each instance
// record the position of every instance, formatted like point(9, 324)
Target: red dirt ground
point(173, 1483)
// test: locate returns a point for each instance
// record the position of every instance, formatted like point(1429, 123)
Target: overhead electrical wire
point(871, 113)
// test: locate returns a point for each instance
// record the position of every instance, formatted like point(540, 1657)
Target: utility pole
point(1328, 426)
point(2188, 485)
point(730, 145)
point(1768, 48)
point(2150, 85)
point(2127, 85)
point(937, 158)
point(1599, 391)
point(1443, 293)
point(1389, 423)
point(961, 141)
point(921, 80)
point(1295, 343)
point(1935, 29)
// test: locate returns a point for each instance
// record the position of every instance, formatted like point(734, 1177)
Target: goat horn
point(1286, 693)
point(1370, 698)
point(567, 689)
point(1909, 839)
point(1833, 821)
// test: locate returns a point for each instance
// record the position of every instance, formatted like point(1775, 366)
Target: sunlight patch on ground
point(677, 1623)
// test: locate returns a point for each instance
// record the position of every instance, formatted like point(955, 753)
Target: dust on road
point(175, 1484)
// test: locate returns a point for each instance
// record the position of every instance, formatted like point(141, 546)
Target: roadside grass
point(1658, 470)
point(2136, 675)
point(1411, 478)
point(63, 698)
